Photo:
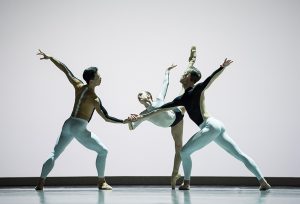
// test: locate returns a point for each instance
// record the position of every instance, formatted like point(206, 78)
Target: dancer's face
point(185, 78)
point(97, 79)
point(144, 98)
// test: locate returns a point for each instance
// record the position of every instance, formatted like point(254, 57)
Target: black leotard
point(191, 99)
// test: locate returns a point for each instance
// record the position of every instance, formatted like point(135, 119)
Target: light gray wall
point(132, 42)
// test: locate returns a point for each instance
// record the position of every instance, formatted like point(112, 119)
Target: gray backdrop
point(133, 42)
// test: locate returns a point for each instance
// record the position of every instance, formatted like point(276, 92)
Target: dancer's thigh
point(200, 140)
point(91, 141)
point(228, 144)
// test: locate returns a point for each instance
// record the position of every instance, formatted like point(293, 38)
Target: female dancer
point(172, 118)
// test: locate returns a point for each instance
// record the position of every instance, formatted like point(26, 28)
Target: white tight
point(76, 127)
point(213, 130)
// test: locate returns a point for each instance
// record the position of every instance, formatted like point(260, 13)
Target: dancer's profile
point(211, 129)
point(86, 101)
point(172, 118)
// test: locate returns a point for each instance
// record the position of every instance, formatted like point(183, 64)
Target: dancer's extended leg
point(60, 146)
point(62, 142)
point(224, 141)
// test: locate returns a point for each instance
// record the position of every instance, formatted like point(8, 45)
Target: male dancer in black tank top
point(210, 128)
point(86, 101)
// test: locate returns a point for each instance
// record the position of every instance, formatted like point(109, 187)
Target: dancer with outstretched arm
point(86, 101)
point(171, 118)
point(211, 129)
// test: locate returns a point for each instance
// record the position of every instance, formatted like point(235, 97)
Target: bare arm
point(165, 85)
point(73, 80)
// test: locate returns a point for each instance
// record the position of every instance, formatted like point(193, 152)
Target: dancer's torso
point(163, 119)
point(84, 103)
point(193, 100)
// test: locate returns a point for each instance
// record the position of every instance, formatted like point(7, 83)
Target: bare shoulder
point(79, 86)
point(94, 98)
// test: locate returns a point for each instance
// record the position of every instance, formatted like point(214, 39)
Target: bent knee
point(184, 153)
point(178, 147)
point(243, 158)
point(103, 151)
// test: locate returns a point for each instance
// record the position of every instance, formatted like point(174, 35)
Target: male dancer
point(210, 128)
point(86, 101)
point(172, 118)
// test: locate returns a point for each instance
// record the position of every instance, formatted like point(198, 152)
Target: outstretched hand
point(226, 63)
point(171, 67)
point(193, 54)
point(43, 55)
point(134, 117)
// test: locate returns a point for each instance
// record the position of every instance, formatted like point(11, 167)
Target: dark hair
point(89, 74)
point(147, 92)
point(195, 74)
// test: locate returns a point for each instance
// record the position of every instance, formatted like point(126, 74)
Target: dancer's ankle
point(186, 182)
point(264, 185)
point(185, 185)
point(174, 173)
point(40, 184)
point(262, 181)
point(101, 180)
point(175, 176)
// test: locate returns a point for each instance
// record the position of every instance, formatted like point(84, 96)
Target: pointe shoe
point(40, 185)
point(104, 186)
point(174, 178)
point(264, 186)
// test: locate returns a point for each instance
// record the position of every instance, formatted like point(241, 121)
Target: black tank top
point(191, 99)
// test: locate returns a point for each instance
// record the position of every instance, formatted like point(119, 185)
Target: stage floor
point(150, 195)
